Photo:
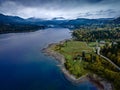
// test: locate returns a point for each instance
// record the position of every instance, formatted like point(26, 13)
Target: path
point(98, 52)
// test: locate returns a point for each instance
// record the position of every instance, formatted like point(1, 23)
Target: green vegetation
point(80, 53)
point(110, 48)
point(81, 59)
point(91, 34)
point(112, 52)
point(73, 51)
point(9, 28)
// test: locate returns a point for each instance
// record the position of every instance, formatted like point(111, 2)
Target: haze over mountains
point(10, 24)
point(19, 20)
point(18, 24)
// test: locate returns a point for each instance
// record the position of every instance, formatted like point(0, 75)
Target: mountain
point(117, 20)
point(58, 18)
point(81, 22)
point(88, 21)
point(9, 24)
point(33, 19)
point(55, 21)
point(74, 23)
point(17, 24)
point(11, 19)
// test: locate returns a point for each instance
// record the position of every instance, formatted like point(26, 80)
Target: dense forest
point(112, 52)
point(93, 33)
point(9, 24)
point(9, 28)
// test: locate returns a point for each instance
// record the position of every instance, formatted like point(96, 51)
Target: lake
point(24, 67)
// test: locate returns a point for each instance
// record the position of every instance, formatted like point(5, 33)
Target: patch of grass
point(92, 44)
point(75, 47)
point(70, 49)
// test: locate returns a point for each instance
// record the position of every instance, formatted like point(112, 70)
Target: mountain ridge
point(16, 22)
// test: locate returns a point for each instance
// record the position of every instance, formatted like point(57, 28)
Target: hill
point(17, 24)
point(117, 20)
point(9, 24)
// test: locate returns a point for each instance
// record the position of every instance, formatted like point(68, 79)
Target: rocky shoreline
point(100, 83)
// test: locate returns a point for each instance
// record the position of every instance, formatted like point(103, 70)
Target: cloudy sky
point(68, 9)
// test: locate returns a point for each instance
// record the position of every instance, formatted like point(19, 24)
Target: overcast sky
point(68, 9)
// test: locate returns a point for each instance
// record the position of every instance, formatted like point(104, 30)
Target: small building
point(102, 42)
point(114, 43)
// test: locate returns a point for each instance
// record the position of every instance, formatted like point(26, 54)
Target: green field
point(70, 50)
point(92, 44)
point(73, 48)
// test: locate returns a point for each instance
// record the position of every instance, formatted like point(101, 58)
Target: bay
point(24, 67)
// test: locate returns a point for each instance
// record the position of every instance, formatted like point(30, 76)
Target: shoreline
point(100, 83)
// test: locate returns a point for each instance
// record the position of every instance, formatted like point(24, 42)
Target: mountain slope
point(10, 19)
point(17, 24)
point(117, 20)
point(10, 24)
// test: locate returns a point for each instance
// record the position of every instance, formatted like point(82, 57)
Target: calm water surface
point(24, 67)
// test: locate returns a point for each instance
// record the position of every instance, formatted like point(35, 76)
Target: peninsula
point(80, 59)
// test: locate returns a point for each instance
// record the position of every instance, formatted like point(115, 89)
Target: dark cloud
point(58, 2)
point(61, 8)
point(94, 1)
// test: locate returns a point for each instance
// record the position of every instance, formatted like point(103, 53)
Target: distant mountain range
point(17, 24)
point(10, 24)
point(4, 19)
point(117, 20)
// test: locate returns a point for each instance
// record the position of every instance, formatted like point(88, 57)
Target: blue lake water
point(24, 67)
